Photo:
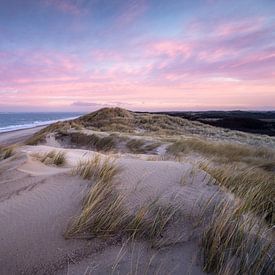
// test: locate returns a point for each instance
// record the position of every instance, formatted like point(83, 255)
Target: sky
point(81, 55)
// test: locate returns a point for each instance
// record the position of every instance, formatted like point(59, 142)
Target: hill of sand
point(117, 120)
point(38, 201)
point(162, 177)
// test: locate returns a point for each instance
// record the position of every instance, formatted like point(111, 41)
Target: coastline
point(18, 136)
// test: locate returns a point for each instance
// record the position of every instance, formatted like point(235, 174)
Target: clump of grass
point(94, 141)
point(76, 125)
point(267, 166)
point(35, 139)
point(230, 152)
point(104, 213)
point(101, 214)
point(151, 146)
point(52, 158)
point(101, 205)
point(103, 143)
point(139, 146)
point(96, 169)
point(40, 136)
point(6, 152)
point(235, 243)
point(59, 159)
point(253, 185)
point(135, 145)
point(150, 221)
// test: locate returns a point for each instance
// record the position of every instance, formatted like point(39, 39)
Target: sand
point(18, 136)
point(38, 201)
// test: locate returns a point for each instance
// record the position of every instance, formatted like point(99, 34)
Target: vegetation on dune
point(52, 158)
point(227, 152)
point(135, 145)
point(6, 152)
point(97, 169)
point(103, 144)
point(116, 119)
point(139, 146)
point(254, 186)
point(58, 128)
point(121, 120)
point(238, 239)
point(237, 243)
point(104, 213)
point(110, 142)
point(94, 141)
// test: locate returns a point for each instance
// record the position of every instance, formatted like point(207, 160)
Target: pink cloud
point(105, 55)
point(66, 6)
point(131, 11)
point(241, 26)
point(216, 54)
point(30, 66)
point(170, 48)
point(157, 73)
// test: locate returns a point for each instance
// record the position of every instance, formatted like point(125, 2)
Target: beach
point(18, 136)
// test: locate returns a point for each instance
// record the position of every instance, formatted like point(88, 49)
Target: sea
point(16, 121)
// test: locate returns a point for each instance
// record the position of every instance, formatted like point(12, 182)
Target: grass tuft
point(235, 243)
point(6, 152)
point(52, 158)
point(94, 141)
point(104, 213)
point(253, 185)
point(138, 146)
point(228, 152)
point(102, 143)
point(96, 169)
point(135, 145)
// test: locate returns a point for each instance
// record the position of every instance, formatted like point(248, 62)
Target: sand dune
point(41, 200)
point(41, 196)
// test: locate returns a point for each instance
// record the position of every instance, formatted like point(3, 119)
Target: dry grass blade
point(150, 221)
point(228, 151)
point(52, 158)
point(94, 141)
point(58, 127)
point(59, 159)
point(101, 213)
point(253, 185)
point(104, 213)
point(102, 207)
point(6, 152)
point(136, 145)
point(235, 243)
point(139, 146)
point(96, 168)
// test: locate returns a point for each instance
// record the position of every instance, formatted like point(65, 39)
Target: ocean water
point(17, 121)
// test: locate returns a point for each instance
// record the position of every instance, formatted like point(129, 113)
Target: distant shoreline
point(34, 124)
point(19, 136)
point(28, 128)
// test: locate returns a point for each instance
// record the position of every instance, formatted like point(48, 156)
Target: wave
point(32, 125)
